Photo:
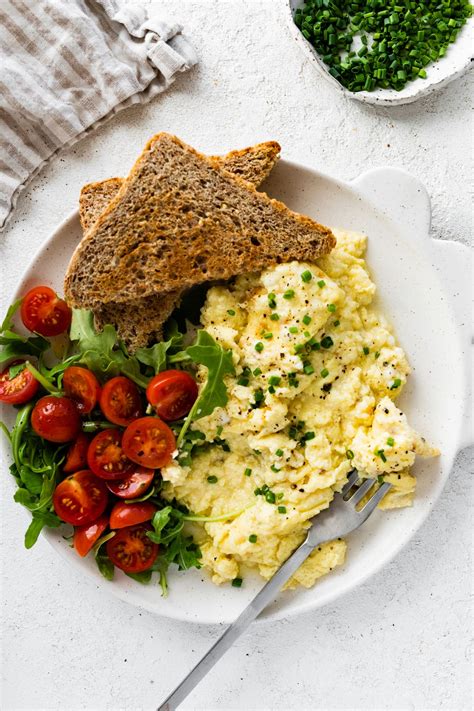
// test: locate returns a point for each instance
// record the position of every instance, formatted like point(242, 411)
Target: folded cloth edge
point(167, 49)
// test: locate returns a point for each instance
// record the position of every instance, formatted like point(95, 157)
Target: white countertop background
point(402, 640)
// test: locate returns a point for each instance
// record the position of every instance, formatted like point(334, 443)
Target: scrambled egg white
point(317, 373)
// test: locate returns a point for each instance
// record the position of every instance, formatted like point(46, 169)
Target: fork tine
point(375, 499)
point(352, 478)
point(361, 491)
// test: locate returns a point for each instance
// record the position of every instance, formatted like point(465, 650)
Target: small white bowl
point(458, 59)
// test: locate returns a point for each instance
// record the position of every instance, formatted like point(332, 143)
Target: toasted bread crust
point(159, 233)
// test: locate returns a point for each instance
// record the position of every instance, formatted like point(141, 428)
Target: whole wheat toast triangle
point(253, 164)
point(172, 221)
point(140, 321)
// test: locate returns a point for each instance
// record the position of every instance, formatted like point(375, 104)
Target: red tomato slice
point(76, 457)
point(172, 393)
point(134, 485)
point(131, 550)
point(20, 389)
point(120, 401)
point(81, 386)
point(123, 514)
point(149, 442)
point(80, 498)
point(56, 419)
point(44, 312)
point(86, 536)
point(106, 458)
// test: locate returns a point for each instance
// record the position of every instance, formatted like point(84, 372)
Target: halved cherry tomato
point(149, 442)
point(44, 312)
point(20, 389)
point(123, 514)
point(106, 458)
point(56, 419)
point(131, 550)
point(85, 536)
point(80, 498)
point(134, 485)
point(172, 394)
point(120, 401)
point(76, 457)
point(81, 386)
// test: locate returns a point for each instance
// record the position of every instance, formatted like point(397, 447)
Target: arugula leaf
point(39, 520)
point(13, 344)
point(218, 362)
point(156, 356)
point(102, 352)
point(144, 577)
point(105, 565)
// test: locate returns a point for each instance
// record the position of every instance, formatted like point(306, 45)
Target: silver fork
point(339, 519)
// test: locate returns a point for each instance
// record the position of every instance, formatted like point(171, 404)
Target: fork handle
point(238, 627)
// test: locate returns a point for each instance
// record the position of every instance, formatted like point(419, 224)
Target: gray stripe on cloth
point(66, 67)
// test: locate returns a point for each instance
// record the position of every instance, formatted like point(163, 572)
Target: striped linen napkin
point(69, 65)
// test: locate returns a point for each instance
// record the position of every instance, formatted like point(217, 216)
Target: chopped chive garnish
point(396, 384)
point(306, 334)
point(272, 300)
point(390, 441)
point(327, 342)
point(268, 335)
point(306, 276)
point(307, 320)
point(274, 468)
point(336, 323)
point(293, 329)
point(377, 355)
point(253, 538)
point(219, 430)
point(308, 436)
point(257, 371)
point(271, 390)
point(237, 583)
point(231, 312)
point(270, 497)
point(321, 283)
point(380, 479)
point(212, 479)
point(324, 373)
point(331, 307)
point(308, 369)
point(289, 294)
point(259, 346)
point(380, 453)
point(366, 350)
point(274, 317)
point(280, 495)
point(349, 454)
point(248, 472)
point(299, 348)
point(282, 509)
point(274, 380)
point(243, 381)
point(279, 453)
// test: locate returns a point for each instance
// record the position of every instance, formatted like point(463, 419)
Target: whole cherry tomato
point(56, 419)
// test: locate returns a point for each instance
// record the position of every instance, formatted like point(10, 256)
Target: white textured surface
point(399, 642)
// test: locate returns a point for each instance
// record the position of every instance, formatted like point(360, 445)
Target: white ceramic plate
point(458, 59)
point(423, 287)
